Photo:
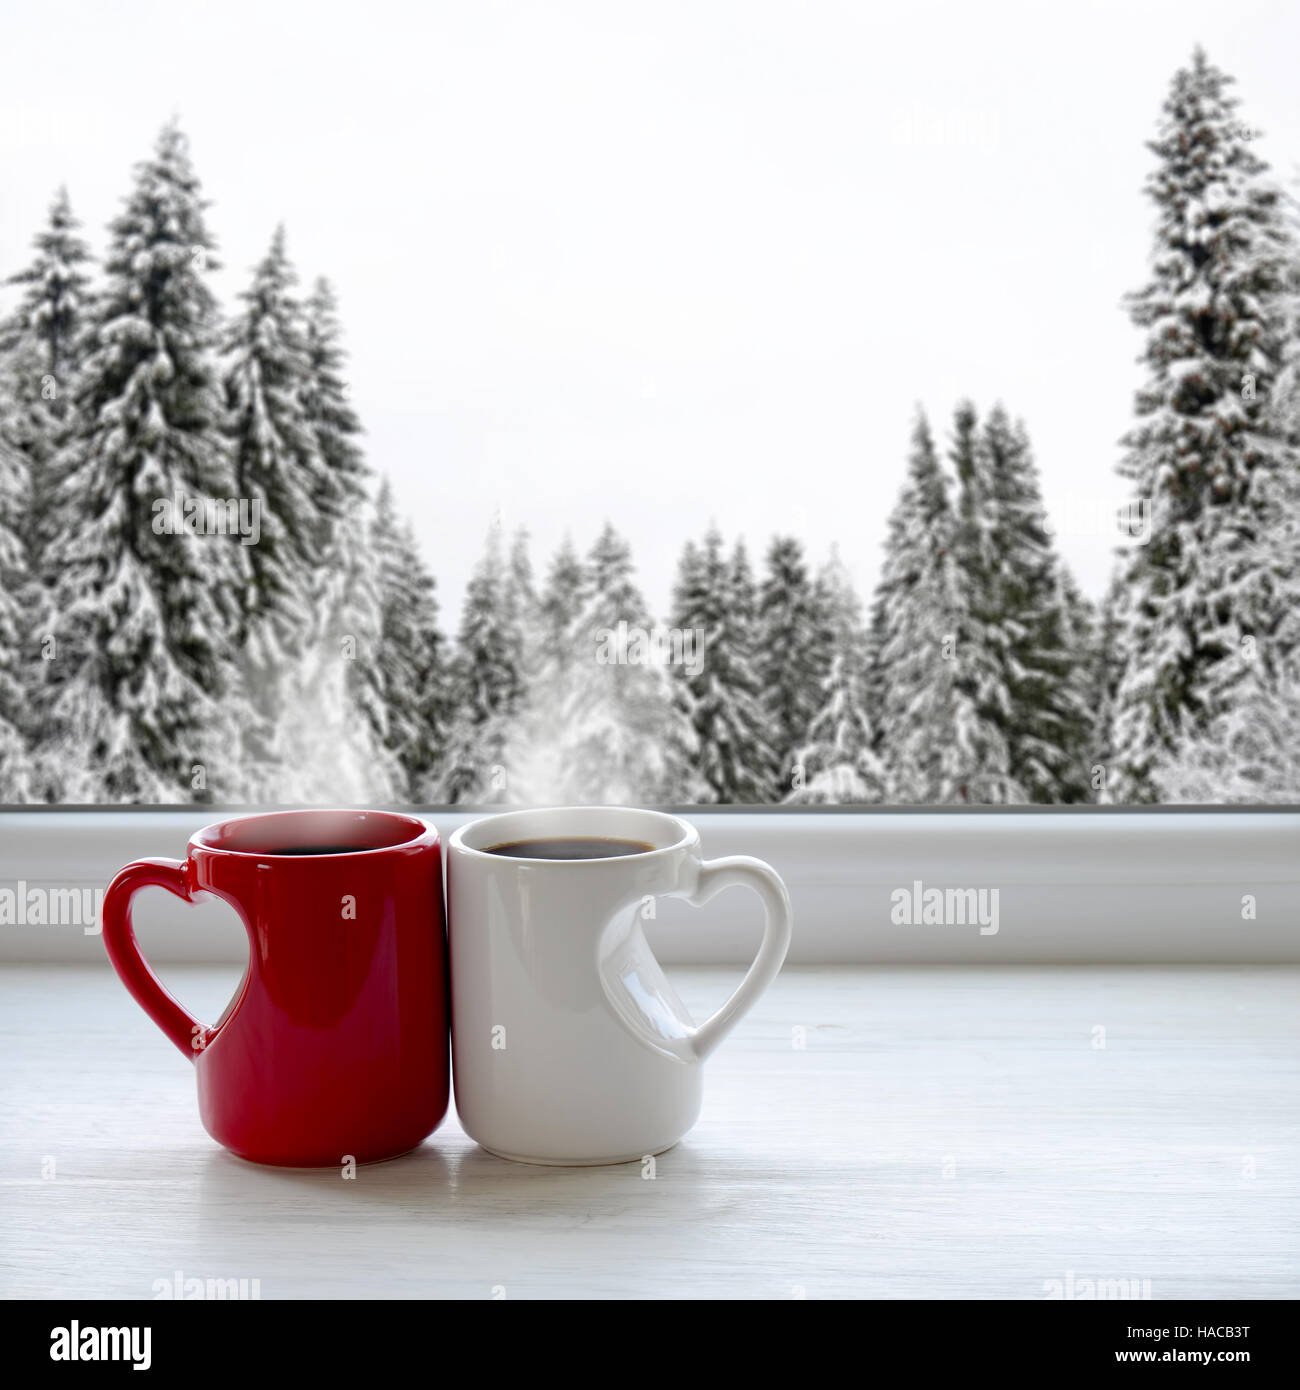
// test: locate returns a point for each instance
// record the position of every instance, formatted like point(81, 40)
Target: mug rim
point(687, 835)
point(423, 833)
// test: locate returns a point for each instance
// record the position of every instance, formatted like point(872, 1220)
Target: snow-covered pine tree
point(143, 616)
point(355, 610)
point(752, 742)
point(716, 598)
point(410, 662)
point(552, 667)
point(276, 462)
point(1250, 753)
point(344, 481)
point(914, 630)
point(16, 780)
point(333, 733)
point(40, 348)
point(628, 741)
point(985, 631)
point(837, 762)
point(336, 715)
point(487, 687)
point(1083, 638)
point(563, 596)
point(1205, 451)
point(521, 595)
point(792, 656)
point(1103, 687)
point(1045, 727)
point(1284, 403)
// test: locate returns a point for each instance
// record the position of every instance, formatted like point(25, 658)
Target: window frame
point(1089, 885)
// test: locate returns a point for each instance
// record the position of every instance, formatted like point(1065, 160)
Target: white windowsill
point(866, 1133)
point(1086, 885)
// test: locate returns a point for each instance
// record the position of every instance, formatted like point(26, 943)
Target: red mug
point(335, 1043)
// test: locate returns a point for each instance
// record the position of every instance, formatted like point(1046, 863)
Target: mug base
point(578, 1162)
point(319, 1167)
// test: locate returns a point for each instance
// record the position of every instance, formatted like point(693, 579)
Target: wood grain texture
point(940, 1133)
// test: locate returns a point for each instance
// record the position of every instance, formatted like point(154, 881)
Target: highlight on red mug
point(335, 1043)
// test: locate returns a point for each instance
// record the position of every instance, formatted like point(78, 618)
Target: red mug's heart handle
point(124, 950)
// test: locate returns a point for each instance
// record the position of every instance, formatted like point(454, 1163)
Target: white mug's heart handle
point(714, 876)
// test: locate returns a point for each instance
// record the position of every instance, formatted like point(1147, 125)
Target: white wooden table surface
point(941, 1133)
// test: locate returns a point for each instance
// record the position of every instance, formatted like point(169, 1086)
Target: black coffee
point(318, 849)
point(585, 847)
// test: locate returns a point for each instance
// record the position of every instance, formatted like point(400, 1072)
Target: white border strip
point(1087, 886)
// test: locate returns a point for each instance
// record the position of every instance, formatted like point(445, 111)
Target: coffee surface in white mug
point(571, 847)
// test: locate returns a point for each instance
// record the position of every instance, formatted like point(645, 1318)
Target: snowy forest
point(208, 592)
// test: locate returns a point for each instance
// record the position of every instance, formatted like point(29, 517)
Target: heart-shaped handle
point(714, 876)
point(133, 970)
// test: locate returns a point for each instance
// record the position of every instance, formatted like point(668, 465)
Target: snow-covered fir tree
point(40, 350)
point(334, 727)
point(334, 724)
point(792, 656)
point(16, 780)
point(555, 642)
point(410, 657)
point(1104, 686)
point(1205, 451)
point(563, 596)
point(40, 346)
point(521, 593)
point(344, 477)
point(277, 464)
point(1038, 621)
point(914, 636)
point(1084, 638)
point(553, 664)
point(143, 631)
point(487, 687)
point(1284, 402)
point(716, 597)
point(629, 741)
point(533, 750)
point(838, 762)
point(985, 632)
point(1250, 753)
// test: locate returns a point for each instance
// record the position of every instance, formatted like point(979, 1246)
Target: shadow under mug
point(335, 1042)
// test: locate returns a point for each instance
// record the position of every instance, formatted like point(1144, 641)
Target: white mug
point(569, 1045)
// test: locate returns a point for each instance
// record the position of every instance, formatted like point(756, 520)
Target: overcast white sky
point(666, 262)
